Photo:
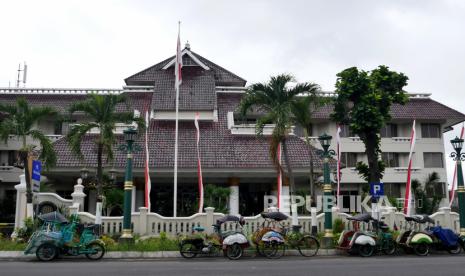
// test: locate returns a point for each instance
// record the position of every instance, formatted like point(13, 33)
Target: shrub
point(338, 226)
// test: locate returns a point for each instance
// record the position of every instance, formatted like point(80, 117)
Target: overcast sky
point(91, 44)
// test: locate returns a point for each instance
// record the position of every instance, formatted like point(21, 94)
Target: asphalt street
point(328, 266)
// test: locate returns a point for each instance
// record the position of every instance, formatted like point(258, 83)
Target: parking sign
point(36, 170)
point(377, 189)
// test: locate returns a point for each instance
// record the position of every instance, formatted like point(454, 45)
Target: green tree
point(21, 121)
point(275, 99)
point(102, 113)
point(425, 194)
point(217, 197)
point(363, 102)
point(302, 111)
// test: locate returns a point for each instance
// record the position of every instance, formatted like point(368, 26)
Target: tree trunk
point(372, 156)
point(99, 172)
point(289, 170)
point(24, 155)
point(312, 182)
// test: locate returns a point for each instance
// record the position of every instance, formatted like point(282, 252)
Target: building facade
point(232, 155)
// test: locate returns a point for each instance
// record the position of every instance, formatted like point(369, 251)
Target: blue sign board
point(36, 170)
point(377, 189)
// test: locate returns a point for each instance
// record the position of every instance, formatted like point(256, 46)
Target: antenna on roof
point(24, 70)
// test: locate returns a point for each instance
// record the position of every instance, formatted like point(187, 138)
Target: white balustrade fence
point(146, 223)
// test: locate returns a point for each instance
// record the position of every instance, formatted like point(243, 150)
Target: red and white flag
point(280, 178)
point(408, 189)
point(454, 178)
point(338, 153)
point(178, 65)
point(148, 183)
point(199, 164)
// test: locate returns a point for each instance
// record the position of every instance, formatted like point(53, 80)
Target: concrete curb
point(19, 255)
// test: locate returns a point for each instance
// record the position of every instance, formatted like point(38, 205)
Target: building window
point(388, 131)
point(346, 131)
point(58, 128)
point(433, 160)
point(12, 157)
point(392, 190)
point(349, 159)
point(430, 131)
point(299, 131)
point(390, 159)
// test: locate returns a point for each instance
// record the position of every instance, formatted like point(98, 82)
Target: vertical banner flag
point(454, 178)
point(408, 188)
point(199, 165)
point(148, 183)
point(280, 178)
point(338, 152)
point(177, 83)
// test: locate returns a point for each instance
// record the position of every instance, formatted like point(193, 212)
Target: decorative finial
point(188, 46)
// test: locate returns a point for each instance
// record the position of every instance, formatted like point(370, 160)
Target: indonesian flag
point(408, 190)
point(280, 178)
point(454, 178)
point(178, 65)
point(199, 165)
point(338, 153)
point(148, 184)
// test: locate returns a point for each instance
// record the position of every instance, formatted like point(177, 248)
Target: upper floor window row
point(430, 130)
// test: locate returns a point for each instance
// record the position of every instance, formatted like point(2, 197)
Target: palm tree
point(21, 121)
point(302, 111)
point(275, 99)
point(101, 110)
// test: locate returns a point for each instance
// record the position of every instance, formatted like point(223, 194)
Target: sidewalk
point(19, 255)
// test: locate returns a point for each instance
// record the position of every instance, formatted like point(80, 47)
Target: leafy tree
point(429, 200)
point(217, 197)
point(363, 102)
point(276, 100)
point(101, 110)
point(21, 121)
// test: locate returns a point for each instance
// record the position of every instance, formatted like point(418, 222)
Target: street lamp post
point(325, 141)
point(130, 136)
point(459, 156)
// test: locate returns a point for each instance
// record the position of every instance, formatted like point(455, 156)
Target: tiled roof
point(419, 109)
point(197, 91)
point(219, 149)
point(221, 75)
point(136, 100)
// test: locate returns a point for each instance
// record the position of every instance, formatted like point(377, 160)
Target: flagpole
point(175, 181)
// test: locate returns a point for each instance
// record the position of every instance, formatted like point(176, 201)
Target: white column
point(78, 195)
point(133, 199)
point(234, 195)
point(20, 214)
point(286, 199)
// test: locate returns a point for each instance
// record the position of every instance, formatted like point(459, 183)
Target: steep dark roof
point(136, 100)
point(197, 91)
point(221, 75)
point(219, 149)
point(415, 108)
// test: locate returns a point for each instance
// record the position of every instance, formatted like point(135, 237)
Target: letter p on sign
point(377, 189)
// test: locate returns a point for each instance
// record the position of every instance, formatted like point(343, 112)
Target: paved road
point(327, 266)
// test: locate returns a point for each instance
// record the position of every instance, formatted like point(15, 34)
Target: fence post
point(78, 195)
point(209, 220)
point(389, 214)
point(445, 217)
point(20, 213)
point(74, 209)
point(143, 211)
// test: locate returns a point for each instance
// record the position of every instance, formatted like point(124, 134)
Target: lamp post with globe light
point(459, 156)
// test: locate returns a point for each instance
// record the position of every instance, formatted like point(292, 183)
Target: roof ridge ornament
point(188, 46)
